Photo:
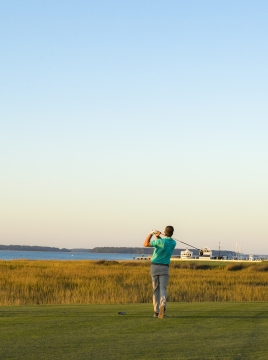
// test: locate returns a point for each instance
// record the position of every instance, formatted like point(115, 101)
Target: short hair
point(169, 230)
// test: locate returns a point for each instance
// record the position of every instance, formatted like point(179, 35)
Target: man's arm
point(148, 238)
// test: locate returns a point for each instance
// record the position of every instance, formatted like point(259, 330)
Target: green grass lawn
point(192, 331)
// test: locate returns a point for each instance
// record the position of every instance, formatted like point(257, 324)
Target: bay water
point(57, 255)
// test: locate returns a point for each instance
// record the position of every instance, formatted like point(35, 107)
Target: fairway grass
point(192, 331)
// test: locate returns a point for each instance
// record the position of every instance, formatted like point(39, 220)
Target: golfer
point(163, 249)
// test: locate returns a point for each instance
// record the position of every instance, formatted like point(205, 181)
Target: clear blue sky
point(117, 117)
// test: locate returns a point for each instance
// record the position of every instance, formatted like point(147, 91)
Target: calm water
point(54, 255)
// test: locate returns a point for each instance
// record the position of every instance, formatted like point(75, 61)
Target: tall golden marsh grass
point(28, 282)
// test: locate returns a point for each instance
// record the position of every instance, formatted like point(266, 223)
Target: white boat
point(207, 254)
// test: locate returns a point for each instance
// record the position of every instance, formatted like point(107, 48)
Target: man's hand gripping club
point(148, 238)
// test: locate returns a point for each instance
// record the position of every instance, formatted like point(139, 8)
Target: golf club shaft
point(183, 243)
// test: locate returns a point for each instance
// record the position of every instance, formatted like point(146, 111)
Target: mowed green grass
point(192, 331)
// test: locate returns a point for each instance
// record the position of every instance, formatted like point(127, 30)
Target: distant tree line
point(149, 251)
point(128, 250)
point(107, 249)
point(31, 248)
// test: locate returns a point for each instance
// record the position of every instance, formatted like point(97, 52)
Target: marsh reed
point(29, 282)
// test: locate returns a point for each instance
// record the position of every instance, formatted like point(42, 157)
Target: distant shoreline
point(102, 250)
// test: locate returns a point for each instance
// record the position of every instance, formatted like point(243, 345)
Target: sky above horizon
point(119, 117)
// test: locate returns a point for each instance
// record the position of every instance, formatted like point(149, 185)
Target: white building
point(207, 254)
point(186, 254)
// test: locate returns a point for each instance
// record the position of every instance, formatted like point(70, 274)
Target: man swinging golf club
point(163, 249)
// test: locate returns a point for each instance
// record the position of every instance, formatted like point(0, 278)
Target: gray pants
point(160, 275)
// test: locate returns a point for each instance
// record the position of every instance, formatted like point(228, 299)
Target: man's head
point(169, 231)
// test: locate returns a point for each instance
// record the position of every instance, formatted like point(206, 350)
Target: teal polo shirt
point(163, 250)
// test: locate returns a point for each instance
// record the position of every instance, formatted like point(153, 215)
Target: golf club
point(200, 250)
